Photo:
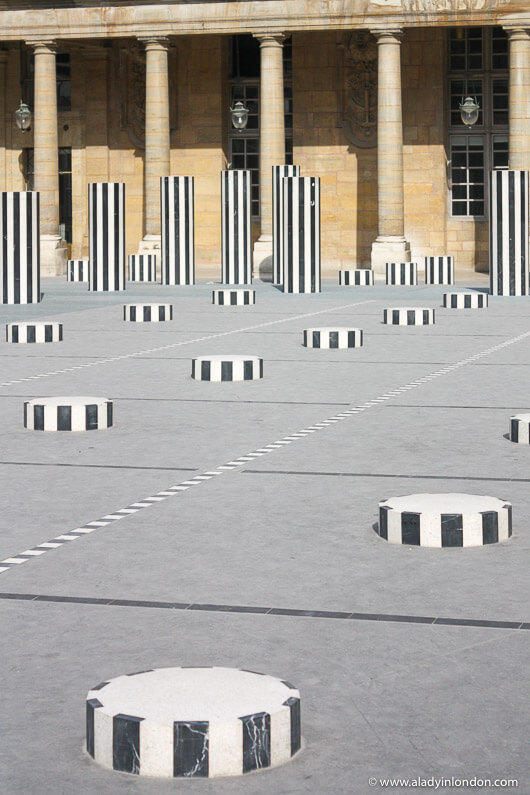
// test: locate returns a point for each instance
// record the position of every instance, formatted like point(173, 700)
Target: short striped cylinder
point(520, 428)
point(178, 230)
point(189, 722)
point(233, 297)
point(278, 173)
point(77, 270)
point(147, 313)
point(465, 300)
point(444, 520)
point(301, 234)
point(509, 261)
point(408, 316)
point(358, 277)
point(226, 367)
point(439, 270)
point(19, 247)
point(333, 337)
point(142, 268)
point(34, 332)
point(68, 414)
point(106, 235)
point(236, 227)
point(402, 273)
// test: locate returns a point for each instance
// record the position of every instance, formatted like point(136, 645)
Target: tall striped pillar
point(236, 227)
point(106, 233)
point(278, 172)
point(178, 246)
point(301, 234)
point(19, 247)
point(509, 233)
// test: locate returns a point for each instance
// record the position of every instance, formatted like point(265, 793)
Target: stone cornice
point(250, 16)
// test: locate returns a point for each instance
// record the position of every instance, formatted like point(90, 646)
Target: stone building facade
point(362, 93)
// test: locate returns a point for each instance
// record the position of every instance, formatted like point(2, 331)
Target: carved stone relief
point(358, 81)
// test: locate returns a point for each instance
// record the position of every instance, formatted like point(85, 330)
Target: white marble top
point(523, 417)
point(227, 357)
point(326, 329)
point(444, 503)
point(69, 400)
point(193, 694)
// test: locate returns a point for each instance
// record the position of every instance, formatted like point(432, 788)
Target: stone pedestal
point(233, 297)
point(439, 270)
point(68, 414)
point(402, 273)
point(465, 300)
point(333, 337)
point(358, 277)
point(34, 332)
point(147, 313)
point(408, 316)
point(77, 270)
point(227, 367)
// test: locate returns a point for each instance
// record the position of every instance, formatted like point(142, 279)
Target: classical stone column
point(272, 140)
point(46, 159)
point(519, 93)
point(157, 146)
point(390, 245)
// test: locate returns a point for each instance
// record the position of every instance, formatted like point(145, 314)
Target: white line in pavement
point(147, 502)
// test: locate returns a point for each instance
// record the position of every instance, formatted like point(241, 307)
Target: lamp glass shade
point(23, 117)
point(239, 115)
point(469, 110)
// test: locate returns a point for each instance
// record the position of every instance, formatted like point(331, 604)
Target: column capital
point(518, 33)
point(270, 39)
point(154, 42)
point(388, 35)
point(43, 45)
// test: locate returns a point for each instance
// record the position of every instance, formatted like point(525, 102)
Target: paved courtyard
point(411, 662)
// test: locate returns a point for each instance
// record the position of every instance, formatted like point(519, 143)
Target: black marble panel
point(452, 532)
point(38, 418)
point(64, 418)
point(91, 705)
point(91, 417)
point(411, 317)
point(31, 333)
point(227, 371)
point(490, 527)
point(248, 369)
point(333, 339)
point(132, 314)
point(126, 743)
point(190, 748)
point(316, 339)
point(48, 333)
point(109, 414)
point(514, 430)
point(205, 371)
point(147, 313)
point(296, 738)
point(426, 316)
point(14, 334)
point(256, 741)
point(410, 528)
point(383, 522)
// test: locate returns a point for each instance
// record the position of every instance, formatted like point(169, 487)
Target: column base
point(150, 245)
point(53, 255)
point(262, 258)
point(389, 248)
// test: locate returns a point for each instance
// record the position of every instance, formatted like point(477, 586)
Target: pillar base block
point(389, 248)
point(262, 258)
point(151, 244)
point(53, 255)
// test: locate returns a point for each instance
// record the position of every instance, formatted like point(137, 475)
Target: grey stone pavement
point(411, 662)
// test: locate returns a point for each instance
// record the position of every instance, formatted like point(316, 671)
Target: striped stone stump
point(226, 367)
point(34, 332)
point(193, 722)
point(233, 297)
point(408, 316)
point(278, 173)
point(439, 270)
point(333, 337)
point(509, 262)
point(358, 277)
point(465, 300)
point(178, 230)
point(142, 267)
point(236, 227)
point(19, 247)
point(68, 414)
point(301, 234)
point(106, 233)
point(402, 273)
point(77, 270)
point(147, 313)
point(520, 428)
point(445, 520)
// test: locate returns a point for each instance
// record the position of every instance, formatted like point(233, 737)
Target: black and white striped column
point(301, 234)
point(227, 367)
point(77, 270)
point(408, 316)
point(465, 300)
point(193, 722)
point(236, 227)
point(278, 173)
point(227, 297)
point(333, 337)
point(68, 414)
point(358, 277)
point(402, 273)
point(147, 313)
point(142, 267)
point(445, 520)
point(509, 261)
point(19, 247)
point(38, 332)
point(520, 428)
point(439, 270)
point(106, 221)
point(178, 230)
